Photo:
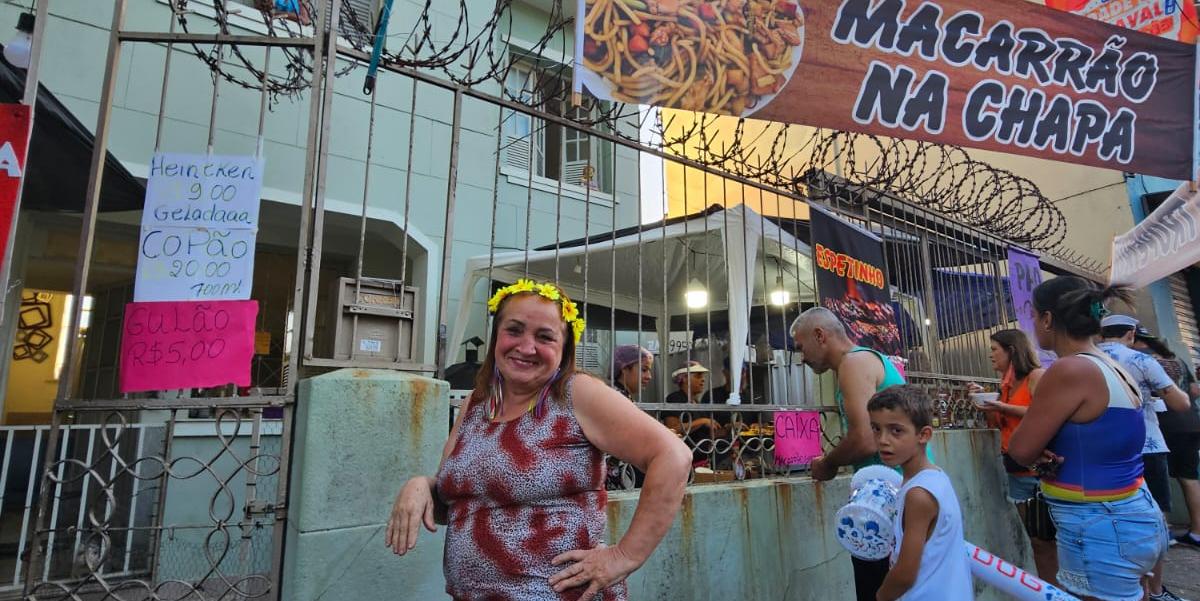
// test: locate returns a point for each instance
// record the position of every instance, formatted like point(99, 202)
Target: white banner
point(198, 228)
point(1164, 243)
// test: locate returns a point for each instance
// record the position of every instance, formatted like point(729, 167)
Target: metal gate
point(177, 494)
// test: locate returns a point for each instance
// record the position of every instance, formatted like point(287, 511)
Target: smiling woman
point(522, 474)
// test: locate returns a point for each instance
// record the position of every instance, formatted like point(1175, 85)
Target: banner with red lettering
point(1005, 75)
point(851, 281)
point(1173, 19)
point(14, 142)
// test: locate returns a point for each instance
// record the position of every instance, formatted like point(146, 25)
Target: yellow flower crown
point(570, 313)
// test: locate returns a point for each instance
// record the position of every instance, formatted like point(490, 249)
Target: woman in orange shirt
point(1014, 358)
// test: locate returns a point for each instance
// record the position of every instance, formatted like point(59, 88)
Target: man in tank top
point(824, 345)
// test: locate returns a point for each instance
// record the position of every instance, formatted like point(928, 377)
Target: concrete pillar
point(359, 435)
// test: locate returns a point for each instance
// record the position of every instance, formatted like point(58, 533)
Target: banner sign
point(851, 281)
point(1172, 19)
point(1004, 75)
point(797, 437)
point(187, 344)
point(1024, 274)
point(1165, 242)
point(14, 142)
point(199, 228)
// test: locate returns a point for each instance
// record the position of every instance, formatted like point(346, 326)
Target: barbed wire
point(477, 50)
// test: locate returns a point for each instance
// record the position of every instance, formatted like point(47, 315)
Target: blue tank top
point(891, 377)
point(1103, 458)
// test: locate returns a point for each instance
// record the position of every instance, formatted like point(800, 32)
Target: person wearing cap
point(691, 379)
point(1181, 430)
point(632, 368)
point(1117, 333)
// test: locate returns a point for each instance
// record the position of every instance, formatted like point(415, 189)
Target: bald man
point(823, 344)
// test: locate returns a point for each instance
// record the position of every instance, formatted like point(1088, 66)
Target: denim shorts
point(1022, 488)
point(1104, 549)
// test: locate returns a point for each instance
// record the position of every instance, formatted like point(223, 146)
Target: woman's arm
point(920, 514)
point(415, 503)
point(1058, 396)
point(619, 428)
point(675, 424)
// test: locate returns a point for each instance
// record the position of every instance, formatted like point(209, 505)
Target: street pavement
point(1182, 570)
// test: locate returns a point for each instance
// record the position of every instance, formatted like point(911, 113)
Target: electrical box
point(376, 321)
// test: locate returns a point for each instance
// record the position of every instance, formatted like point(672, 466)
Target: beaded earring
point(538, 406)
point(496, 395)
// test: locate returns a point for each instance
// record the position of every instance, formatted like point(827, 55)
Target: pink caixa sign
point(797, 437)
point(187, 344)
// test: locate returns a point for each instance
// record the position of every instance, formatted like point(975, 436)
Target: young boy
point(929, 562)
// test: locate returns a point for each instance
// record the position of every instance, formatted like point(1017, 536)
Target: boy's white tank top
point(945, 573)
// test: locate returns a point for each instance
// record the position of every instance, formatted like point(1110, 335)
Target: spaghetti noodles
point(717, 56)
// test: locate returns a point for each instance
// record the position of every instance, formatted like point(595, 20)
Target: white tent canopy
point(734, 250)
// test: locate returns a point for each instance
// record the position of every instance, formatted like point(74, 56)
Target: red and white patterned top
point(520, 493)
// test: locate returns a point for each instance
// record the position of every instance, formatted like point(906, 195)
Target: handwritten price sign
point(197, 190)
point(187, 344)
point(194, 264)
point(797, 437)
point(199, 228)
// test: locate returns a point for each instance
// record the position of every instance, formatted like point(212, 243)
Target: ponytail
point(1077, 305)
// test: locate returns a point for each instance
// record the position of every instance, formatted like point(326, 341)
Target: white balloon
point(876, 472)
point(1010, 579)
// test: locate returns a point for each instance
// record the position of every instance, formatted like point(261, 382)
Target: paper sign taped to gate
point(187, 344)
point(797, 437)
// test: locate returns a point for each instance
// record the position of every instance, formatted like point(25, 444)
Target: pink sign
point(797, 437)
point(187, 344)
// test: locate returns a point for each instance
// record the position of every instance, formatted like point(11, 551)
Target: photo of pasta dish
point(718, 56)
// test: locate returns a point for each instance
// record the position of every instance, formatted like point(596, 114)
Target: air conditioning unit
point(386, 313)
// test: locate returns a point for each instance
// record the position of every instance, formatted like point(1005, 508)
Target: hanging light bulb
point(16, 51)
point(780, 297)
point(696, 295)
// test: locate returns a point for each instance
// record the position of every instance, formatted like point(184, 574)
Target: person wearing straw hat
point(691, 380)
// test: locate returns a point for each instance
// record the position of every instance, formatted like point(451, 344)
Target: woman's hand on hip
point(413, 505)
point(597, 569)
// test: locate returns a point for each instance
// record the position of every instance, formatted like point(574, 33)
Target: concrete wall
point(362, 433)
point(773, 539)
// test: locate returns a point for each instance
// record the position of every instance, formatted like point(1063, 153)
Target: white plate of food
point(729, 57)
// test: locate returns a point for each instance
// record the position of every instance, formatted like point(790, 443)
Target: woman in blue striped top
point(1085, 429)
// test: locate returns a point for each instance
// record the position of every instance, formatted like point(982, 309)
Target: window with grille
point(545, 149)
